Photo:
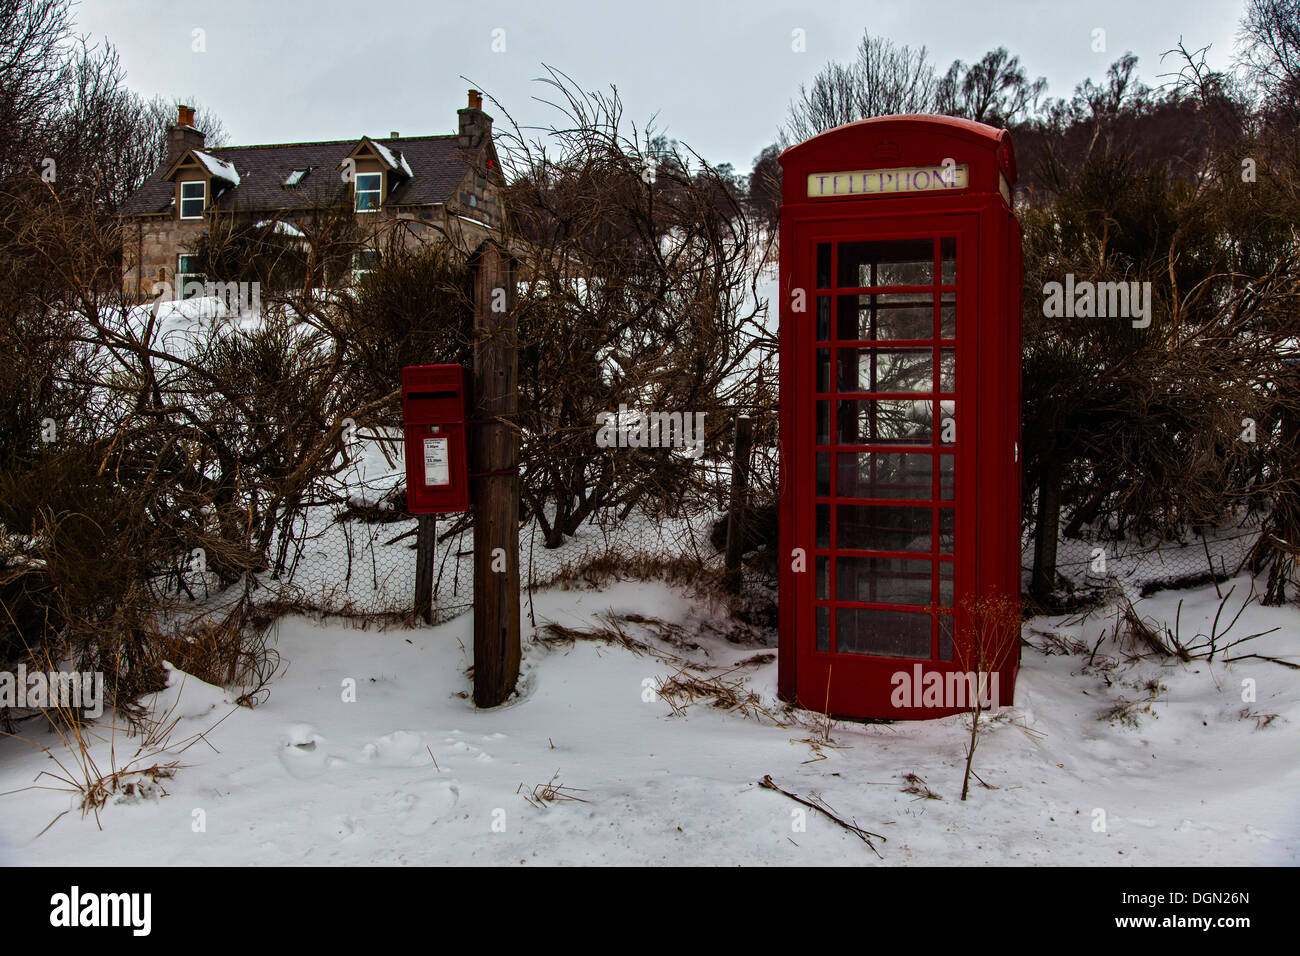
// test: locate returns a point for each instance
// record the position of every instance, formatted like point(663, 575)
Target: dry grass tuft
point(1128, 712)
point(1261, 720)
point(681, 690)
point(552, 634)
point(80, 773)
point(544, 794)
point(918, 786)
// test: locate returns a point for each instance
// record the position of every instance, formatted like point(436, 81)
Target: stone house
point(419, 188)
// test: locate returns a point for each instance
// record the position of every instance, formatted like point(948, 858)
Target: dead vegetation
point(692, 682)
point(1261, 720)
point(681, 690)
point(544, 794)
point(1141, 637)
point(825, 810)
point(917, 786)
point(1128, 712)
point(81, 773)
point(993, 640)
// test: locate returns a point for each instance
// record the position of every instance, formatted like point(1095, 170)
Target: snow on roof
point(282, 227)
point(295, 177)
point(218, 168)
point(396, 162)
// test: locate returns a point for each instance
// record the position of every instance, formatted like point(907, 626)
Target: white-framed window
point(187, 267)
point(364, 262)
point(369, 188)
point(194, 199)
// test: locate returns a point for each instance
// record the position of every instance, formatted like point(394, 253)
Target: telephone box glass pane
point(897, 315)
point(883, 421)
point(947, 477)
point(947, 423)
point(823, 371)
point(823, 529)
point(823, 265)
point(945, 636)
point(948, 261)
point(823, 629)
point(947, 370)
point(823, 578)
point(883, 528)
point(824, 422)
point(885, 474)
point(947, 530)
point(886, 370)
point(882, 632)
point(823, 318)
point(945, 584)
point(823, 474)
point(883, 580)
point(886, 263)
point(947, 316)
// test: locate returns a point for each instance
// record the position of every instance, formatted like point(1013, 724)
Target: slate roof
point(437, 164)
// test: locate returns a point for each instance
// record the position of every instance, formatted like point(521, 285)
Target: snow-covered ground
point(411, 773)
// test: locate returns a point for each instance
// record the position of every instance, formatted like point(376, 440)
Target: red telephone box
point(900, 415)
point(433, 429)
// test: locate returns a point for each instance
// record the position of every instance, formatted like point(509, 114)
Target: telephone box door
point(885, 477)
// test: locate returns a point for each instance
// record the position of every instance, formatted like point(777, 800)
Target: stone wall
point(155, 242)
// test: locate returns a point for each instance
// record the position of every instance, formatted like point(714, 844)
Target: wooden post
point(426, 531)
point(494, 461)
point(1047, 531)
point(739, 504)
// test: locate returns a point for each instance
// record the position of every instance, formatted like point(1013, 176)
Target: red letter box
point(433, 425)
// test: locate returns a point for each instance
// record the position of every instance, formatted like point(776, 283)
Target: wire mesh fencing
point(1138, 566)
point(362, 564)
point(366, 567)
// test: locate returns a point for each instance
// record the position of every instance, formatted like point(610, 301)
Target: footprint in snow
point(302, 752)
point(422, 808)
point(401, 748)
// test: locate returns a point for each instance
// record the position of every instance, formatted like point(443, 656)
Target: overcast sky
point(720, 75)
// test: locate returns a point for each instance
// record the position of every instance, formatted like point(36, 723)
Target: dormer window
point(194, 199)
point(369, 188)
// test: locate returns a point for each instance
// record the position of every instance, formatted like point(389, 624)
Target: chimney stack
point(183, 136)
point(475, 125)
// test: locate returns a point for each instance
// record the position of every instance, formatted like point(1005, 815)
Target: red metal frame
point(984, 513)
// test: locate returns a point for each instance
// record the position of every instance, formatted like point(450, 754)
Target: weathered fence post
point(426, 530)
point(1046, 532)
point(739, 504)
point(494, 480)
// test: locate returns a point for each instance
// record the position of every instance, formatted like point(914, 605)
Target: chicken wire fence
point(363, 566)
point(366, 568)
point(1137, 566)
